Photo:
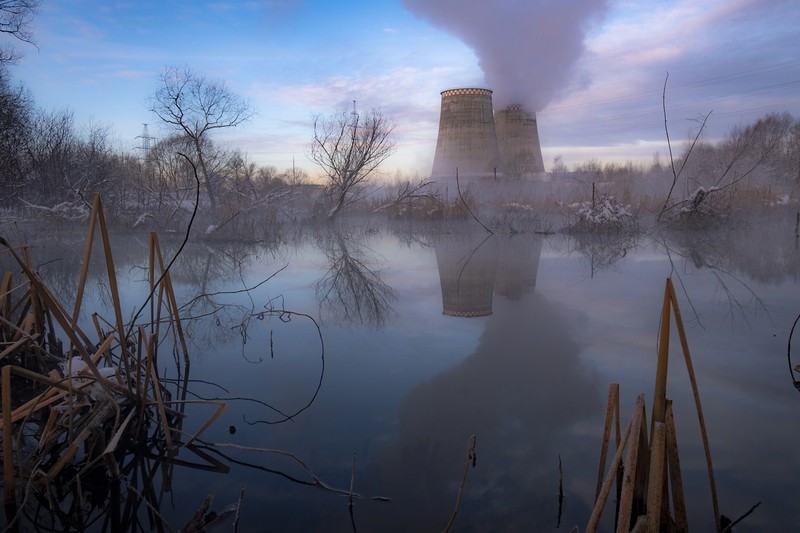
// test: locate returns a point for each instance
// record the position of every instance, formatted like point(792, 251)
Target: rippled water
point(429, 338)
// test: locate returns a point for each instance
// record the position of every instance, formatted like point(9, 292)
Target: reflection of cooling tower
point(467, 268)
point(518, 141)
point(467, 139)
point(518, 265)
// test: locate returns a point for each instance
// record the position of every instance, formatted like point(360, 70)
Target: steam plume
point(526, 48)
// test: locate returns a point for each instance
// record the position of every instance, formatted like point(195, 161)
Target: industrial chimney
point(518, 141)
point(467, 139)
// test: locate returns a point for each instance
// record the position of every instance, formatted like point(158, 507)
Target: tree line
point(48, 162)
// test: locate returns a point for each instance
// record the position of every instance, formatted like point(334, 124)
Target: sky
point(594, 70)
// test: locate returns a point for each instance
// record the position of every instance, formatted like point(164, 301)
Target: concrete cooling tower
point(518, 141)
point(481, 143)
point(467, 140)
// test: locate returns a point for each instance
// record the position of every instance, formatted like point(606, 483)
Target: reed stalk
point(696, 393)
point(602, 497)
point(8, 464)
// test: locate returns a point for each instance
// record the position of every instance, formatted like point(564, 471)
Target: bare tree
point(15, 19)
point(168, 184)
point(349, 148)
point(50, 152)
point(195, 106)
point(16, 107)
point(716, 173)
point(789, 156)
point(409, 196)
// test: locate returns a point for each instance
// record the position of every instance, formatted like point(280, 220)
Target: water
point(399, 386)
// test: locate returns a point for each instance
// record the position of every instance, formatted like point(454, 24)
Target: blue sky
point(293, 58)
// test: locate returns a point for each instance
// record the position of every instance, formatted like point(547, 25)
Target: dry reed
point(651, 471)
point(95, 405)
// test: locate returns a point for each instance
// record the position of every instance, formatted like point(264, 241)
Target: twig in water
point(149, 505)
point(315, 480)
point(350, 496)
point(238, 511)
point(729, 527)
point(472, 458)
point(285, 316)
point(560, 491)
point(789, 353)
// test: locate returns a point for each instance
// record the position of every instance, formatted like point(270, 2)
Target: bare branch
point(349, 149)
point(15, 19)
point(676, 174)
point(195, 105)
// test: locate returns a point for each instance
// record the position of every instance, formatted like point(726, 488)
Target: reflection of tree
point(712, 250)
point(766, 251)
point(107, 452)
point(210, 317)
point(216, 315)
point(58, 258)
point(604, 249)
point(351, 290)
point(520, 392)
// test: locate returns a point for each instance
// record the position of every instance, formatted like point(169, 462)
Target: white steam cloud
point(526, 48)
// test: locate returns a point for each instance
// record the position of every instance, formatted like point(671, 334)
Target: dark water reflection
point(430, 338)
point(520, 391)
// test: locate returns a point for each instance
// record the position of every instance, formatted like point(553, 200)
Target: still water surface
point(428, 339)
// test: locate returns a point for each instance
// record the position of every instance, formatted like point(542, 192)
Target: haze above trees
point(50, 164)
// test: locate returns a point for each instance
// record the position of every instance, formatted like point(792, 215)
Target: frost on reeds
point(90, 432)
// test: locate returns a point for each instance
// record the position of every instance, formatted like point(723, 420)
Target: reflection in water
point(739, 258)
point(769, 256)
point(98, 435)
point(97, 446)
point(518, 265)
point(603, 250)
point(520, 392)
point(522, 389)
point(792, 368)
point(467, 267)
point(351, 291)
point(215, 315)
point(473, 267)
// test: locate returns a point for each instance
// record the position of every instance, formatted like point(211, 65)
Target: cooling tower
point(518, 141)
point(467, 140)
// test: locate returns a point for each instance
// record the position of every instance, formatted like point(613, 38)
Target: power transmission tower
point(146, 141)
point(355, 119)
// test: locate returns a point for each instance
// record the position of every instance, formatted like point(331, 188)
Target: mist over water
point(562, 317)
point(527, 49)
